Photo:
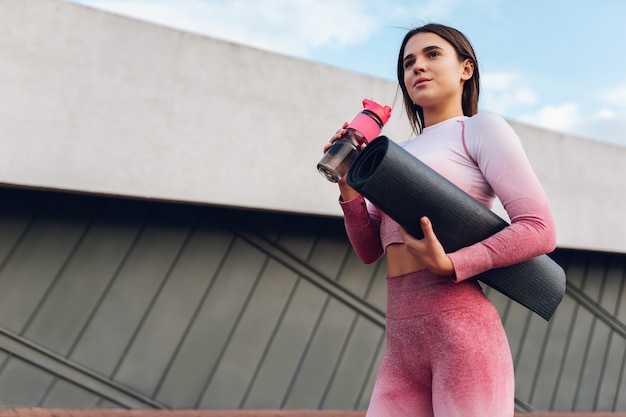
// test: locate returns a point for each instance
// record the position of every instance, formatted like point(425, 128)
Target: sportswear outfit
point(447, 354)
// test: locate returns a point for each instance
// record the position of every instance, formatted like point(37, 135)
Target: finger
point(342, 131)
point(427, 228)
point(338, 135)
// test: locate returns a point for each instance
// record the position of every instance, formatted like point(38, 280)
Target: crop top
point(484, 157)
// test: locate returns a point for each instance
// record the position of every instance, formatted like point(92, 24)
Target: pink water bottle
point(365, 127)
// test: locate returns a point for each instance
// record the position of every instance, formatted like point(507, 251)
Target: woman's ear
point(468, 69)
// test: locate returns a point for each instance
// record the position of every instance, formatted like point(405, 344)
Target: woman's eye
point(408, 64)
point(433, 54)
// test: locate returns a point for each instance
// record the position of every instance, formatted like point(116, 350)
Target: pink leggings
point(447, 354)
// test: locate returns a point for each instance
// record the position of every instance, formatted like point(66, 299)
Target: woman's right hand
point(340, 133)
point(347, 192)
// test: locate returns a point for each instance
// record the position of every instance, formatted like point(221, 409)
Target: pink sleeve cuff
point(363, 231)
point(469, 262)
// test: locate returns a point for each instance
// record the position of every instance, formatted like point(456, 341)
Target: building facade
point(167, 242)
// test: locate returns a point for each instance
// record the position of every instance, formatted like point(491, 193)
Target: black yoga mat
point(406, 189)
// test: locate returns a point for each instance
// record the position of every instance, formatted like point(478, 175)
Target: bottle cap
point(365, 122)
point(383, 112)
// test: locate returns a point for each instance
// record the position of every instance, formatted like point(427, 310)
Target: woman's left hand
point(428, 250)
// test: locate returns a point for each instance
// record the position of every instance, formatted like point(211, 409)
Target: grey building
point(166, 242)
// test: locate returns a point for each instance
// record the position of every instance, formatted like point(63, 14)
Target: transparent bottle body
point(339, 158)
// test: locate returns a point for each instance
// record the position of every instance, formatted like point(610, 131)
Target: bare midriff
point(400, 261)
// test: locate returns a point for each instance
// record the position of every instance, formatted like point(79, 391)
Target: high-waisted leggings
point(447, 354)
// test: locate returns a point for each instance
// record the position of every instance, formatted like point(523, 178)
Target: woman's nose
point(418, 65)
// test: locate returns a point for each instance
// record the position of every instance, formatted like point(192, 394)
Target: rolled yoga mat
point(406, 189)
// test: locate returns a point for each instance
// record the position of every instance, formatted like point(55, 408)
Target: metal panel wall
point(110, 302)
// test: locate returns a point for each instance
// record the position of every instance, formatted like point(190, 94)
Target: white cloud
point(283, 26)
point(498, 80)
point(604, 121)
point(604, 125)
point(503, 92)
point(609, 130)
point(562, 117)
point(525, 96)
point(616, 95)
point(604, 114)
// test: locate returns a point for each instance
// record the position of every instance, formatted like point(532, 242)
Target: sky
point(555, 64)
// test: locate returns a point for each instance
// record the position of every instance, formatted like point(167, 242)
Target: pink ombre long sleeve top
point(484, 157)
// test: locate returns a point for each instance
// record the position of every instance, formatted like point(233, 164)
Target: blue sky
point(557, 64)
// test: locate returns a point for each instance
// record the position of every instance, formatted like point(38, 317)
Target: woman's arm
point(504, 164)
point(362, 222)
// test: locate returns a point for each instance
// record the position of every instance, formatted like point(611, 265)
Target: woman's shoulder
point(486, 118)
point(489, 125)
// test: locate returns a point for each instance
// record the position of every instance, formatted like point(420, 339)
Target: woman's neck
point(433, 116)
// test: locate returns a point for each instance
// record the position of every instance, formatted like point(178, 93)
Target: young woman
point(447, 353)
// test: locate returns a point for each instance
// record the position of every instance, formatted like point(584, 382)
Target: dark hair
point(464, 50)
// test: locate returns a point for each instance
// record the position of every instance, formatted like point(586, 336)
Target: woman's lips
point(420, 81)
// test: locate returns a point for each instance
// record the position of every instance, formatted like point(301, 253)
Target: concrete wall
point(104, 104)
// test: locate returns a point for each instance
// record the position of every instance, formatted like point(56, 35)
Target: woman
point(447, 353)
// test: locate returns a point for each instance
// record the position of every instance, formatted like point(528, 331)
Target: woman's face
point(433, 75)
